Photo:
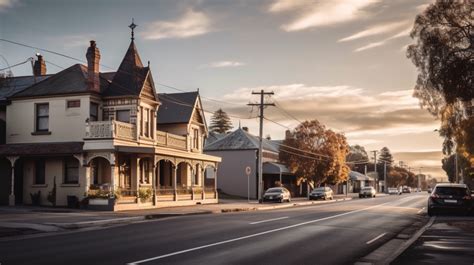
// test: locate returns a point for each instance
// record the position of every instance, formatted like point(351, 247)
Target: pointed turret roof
point(130, 75)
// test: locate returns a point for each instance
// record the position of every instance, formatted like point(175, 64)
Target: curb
point(395, 246)
point(409, 242)
point(84, 224)
point(266, 208)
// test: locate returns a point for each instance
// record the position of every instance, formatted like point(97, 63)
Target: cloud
point(6, 4)
point(370, 46)
point(191, 24)
point(344, 108)
point(376, 30)
point(74, 41)
point(222, 64)
point(403, 33)
point(320, 13)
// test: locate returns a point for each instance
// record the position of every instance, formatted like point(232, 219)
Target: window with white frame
point(42, 117)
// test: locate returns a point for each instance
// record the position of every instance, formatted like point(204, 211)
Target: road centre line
point(253, 235)
point(421, 210)
point(268, 220)
point(375, 239)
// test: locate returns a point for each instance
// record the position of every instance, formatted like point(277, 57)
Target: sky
point(342, 62)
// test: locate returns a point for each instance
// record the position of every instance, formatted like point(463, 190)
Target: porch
point(138, 181)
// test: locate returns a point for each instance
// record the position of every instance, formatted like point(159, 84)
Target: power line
point(279, 107)
point(18, 64)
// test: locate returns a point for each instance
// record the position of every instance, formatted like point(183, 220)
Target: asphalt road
point(336, 233)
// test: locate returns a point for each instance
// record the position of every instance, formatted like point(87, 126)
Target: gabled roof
point(13, 85)
point(130, 76)
point(176, 107)
point(213, 136)
point(240, 140)
point(68, 81)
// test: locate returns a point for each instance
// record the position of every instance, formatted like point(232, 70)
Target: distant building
point(238, 150)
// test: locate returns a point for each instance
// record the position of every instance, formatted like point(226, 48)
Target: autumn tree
point(444, 55)
point(315, 153)
point(220, 122)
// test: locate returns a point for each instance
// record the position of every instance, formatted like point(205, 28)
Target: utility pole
point(385, 176)
point(261, 105)
point(456, 165)
point(375, 170)
point(419, 181)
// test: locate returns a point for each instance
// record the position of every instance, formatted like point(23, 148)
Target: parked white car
point(367, 192)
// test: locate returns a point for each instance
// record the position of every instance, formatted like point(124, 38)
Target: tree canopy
point(444, 55)
point(315, 153)
point(220, 122)
point(385, 156)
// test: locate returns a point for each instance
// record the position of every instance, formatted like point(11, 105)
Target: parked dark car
point(321, 193)
point(450, 198)
point(278, 194)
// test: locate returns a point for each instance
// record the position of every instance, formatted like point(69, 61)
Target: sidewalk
point(28, 219)
point(449, 240)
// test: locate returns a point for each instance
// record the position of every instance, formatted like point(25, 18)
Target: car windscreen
point(275, 190)
point(451, 191)
point(319, 189)
point(367, 188)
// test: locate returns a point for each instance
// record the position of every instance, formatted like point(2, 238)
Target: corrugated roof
point(240, 140)
point(176, 107)
point(275, 168)
point(130, 76)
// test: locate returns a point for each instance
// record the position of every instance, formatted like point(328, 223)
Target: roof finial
point(133, 26)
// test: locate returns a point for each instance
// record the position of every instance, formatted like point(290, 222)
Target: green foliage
point(444, 56)
point(145, 194)
point(220, 122)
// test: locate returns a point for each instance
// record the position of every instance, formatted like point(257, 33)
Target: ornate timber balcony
point(102, 130)
point(171, 140)
point(111, 130)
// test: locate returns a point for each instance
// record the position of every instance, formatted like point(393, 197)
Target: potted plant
point(145, 194)
point(36, 198)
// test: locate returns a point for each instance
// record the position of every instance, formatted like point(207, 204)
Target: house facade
point(239, 150)
point(103, 136)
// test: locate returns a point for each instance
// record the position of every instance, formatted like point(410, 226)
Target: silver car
point(367, 192)
point(278, 194)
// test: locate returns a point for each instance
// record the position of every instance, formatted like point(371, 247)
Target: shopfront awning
point(275, 168)
point(356, 176)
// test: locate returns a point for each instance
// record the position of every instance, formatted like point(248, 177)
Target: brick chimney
point(39, 68)
point(93, 57)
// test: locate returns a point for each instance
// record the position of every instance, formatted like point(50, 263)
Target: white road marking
point(375, 239)
point(268, 220)
point(253, 235)
point(421, 210)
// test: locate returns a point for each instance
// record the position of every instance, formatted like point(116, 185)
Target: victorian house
point(86, 134)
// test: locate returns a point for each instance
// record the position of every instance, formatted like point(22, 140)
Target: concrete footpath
point(25, 220)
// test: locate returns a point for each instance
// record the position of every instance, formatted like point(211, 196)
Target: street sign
point(248, 170)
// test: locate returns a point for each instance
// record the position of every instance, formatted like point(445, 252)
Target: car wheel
point(373, 196)
point(289, 199)
point(360, 196)
point(431, 212)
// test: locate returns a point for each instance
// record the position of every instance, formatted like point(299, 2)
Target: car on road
point(406, 190)
point(448, 197)
point(321, 193)
point(277, 194)
point(395, 191)
point(367, 192)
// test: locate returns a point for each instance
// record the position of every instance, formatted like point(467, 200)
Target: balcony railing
point(111, 129)
point(128, 131)
point(171, 140)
